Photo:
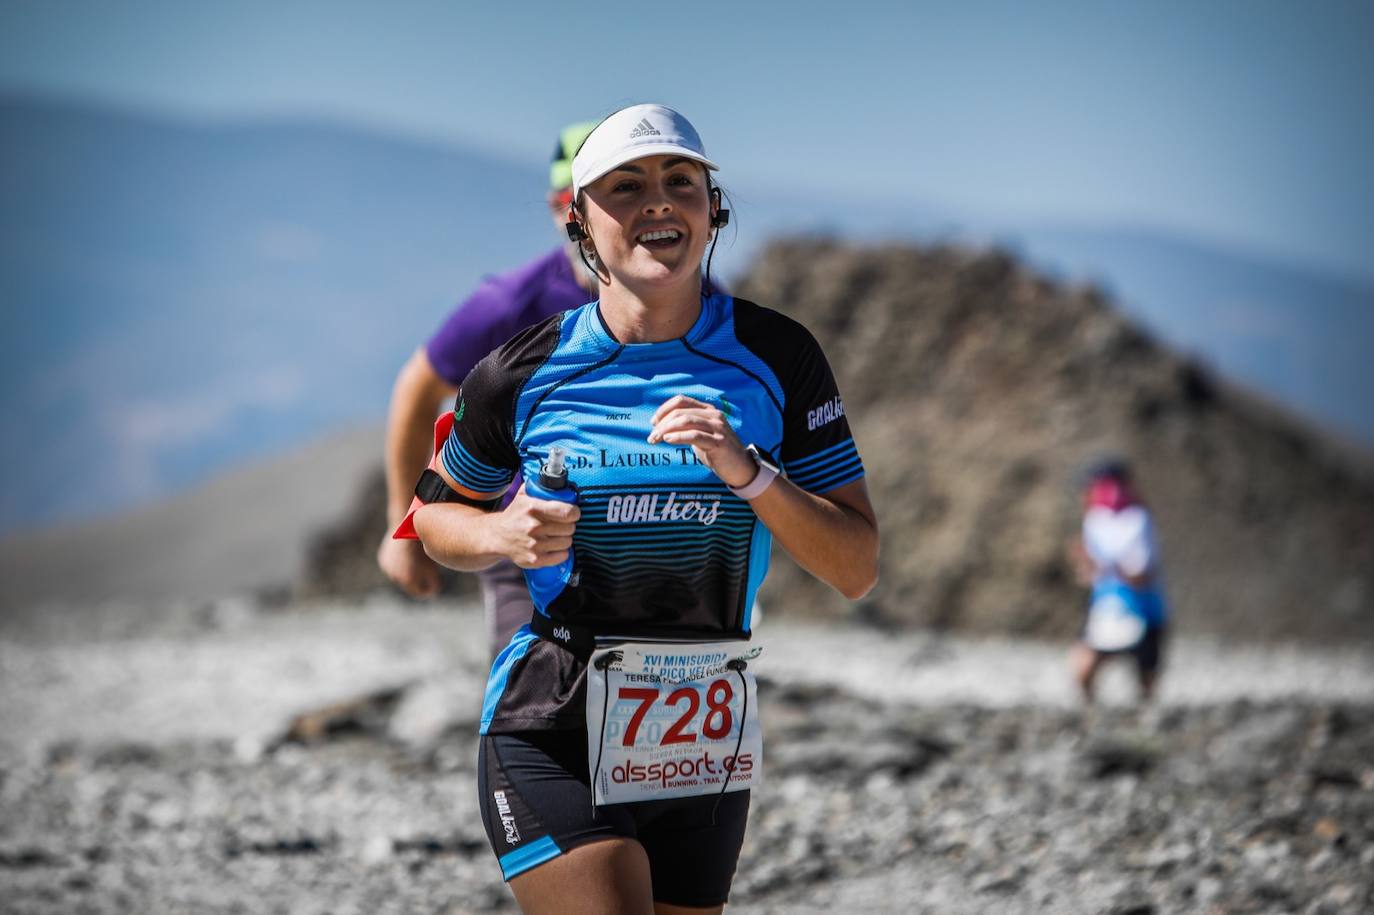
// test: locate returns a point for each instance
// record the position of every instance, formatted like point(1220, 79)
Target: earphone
point(722, 215)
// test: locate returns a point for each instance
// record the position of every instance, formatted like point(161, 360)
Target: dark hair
point(1108, 468)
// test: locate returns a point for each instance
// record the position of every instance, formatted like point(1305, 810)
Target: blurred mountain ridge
point(238, 539)
point(184, 296)
point(978, 390)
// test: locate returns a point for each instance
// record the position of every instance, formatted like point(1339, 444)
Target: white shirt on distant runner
point(1120, 543)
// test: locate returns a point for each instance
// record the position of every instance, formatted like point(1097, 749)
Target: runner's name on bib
point(672, 719)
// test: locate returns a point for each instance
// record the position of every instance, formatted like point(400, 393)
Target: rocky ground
point(235, 758)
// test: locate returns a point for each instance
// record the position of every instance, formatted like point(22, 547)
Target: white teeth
point(661, 233)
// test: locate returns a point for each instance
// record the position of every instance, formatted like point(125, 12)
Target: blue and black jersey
point(663, 548)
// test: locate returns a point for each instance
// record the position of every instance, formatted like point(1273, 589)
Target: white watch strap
point(762, 480)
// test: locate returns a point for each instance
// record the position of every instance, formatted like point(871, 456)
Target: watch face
point(764, 458)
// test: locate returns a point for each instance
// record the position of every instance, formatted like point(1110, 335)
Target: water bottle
point(547, 583)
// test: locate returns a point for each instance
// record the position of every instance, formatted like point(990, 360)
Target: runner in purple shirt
point(501, 306)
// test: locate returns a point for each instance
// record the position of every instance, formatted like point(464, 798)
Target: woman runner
point(694, 428)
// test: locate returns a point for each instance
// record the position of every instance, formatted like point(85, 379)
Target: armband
point(431, 488)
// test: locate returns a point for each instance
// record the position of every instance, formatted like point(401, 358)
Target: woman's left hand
point(683, 420)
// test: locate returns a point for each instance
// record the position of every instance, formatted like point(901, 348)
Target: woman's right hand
point(405, 563)
point(534, 533)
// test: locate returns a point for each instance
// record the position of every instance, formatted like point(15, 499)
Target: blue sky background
point(1247, 123)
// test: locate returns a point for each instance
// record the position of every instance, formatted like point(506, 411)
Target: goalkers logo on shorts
point(507, 820)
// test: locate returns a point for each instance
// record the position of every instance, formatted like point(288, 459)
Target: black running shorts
point(536, 803)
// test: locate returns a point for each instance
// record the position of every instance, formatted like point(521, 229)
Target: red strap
point(442, 427)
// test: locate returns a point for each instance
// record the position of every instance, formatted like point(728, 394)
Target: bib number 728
point(717, 723)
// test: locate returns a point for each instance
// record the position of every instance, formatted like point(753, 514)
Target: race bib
point(672, 719)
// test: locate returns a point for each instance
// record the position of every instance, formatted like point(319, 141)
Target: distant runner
point(1117, 555)
point(501, 307)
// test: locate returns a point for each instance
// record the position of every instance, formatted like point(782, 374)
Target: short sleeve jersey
point(500, 307)
point(663, 548)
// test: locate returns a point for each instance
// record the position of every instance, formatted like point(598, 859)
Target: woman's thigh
point(609, 876)
point(693, 846)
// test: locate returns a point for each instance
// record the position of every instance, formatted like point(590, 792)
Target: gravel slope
point(237, 672)
point(147, 767)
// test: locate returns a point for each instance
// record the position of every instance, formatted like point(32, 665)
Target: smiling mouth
point(659, 238)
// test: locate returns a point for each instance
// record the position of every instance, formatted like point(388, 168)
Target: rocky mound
point(977, 390)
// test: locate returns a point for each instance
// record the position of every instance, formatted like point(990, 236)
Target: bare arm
point(1139, 582)
point(456, 535)
point(1086, 569)
point(415, 400)
point(529, 532)
point(833, 536)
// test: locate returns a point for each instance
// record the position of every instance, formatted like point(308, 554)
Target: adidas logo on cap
point(630, 134)
point(644, 129)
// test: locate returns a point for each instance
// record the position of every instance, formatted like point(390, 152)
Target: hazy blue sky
point(1246, 122)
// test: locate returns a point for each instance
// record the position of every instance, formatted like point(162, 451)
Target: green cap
point(569, 141)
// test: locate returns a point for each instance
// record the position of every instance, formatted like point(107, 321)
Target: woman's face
point(649, 220)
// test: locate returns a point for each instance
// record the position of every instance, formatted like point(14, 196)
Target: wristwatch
point(768, 472)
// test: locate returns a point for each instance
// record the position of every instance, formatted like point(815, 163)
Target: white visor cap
point(633, 133)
